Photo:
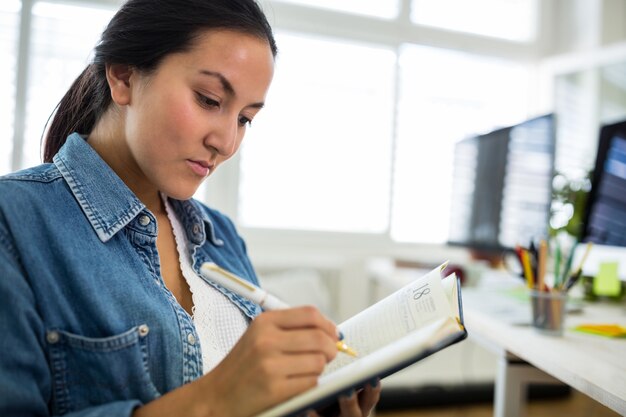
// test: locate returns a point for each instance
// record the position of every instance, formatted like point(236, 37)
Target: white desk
point(591, 364)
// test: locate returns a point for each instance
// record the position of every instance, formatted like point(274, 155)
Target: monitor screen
point(502, 186)
point(605, 216)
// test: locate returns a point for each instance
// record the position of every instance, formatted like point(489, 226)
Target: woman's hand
point(362, 403)
point(359, 404)
point(282, 354)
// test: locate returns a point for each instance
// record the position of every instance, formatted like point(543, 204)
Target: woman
point(104, 311)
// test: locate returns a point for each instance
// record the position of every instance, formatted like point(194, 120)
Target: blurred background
point(362, 160)
point(354, 154)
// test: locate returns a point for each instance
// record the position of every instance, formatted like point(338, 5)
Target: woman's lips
point(200, 168)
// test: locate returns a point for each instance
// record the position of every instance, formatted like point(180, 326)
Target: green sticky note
point(607, 282)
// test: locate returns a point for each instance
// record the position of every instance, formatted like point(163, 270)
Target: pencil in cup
point(528, 272)
point(573, 277)
point(257, 295)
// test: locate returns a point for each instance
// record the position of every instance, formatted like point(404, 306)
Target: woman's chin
point(181, 193)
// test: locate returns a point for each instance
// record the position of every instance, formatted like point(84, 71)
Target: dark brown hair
point(140, 35)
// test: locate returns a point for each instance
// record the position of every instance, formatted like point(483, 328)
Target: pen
point(541, 264)
point(533, 257)
point(519, 257)
point(557, 265)
point(576, 275)
point(528, 270)
point(253, 293)
point(568, 264)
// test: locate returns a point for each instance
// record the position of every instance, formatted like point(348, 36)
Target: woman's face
point(191, 114)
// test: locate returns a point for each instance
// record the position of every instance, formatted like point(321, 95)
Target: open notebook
point(414, 322)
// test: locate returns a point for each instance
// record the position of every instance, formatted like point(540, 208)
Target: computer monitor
point(605, 215)
point(502, 186)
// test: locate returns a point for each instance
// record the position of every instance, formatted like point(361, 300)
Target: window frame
point(222, 190)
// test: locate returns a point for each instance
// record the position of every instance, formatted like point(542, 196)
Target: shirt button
point(191, 339)
point(196, 229)
point(52, 337)
point(143, 330)
point(144, 220)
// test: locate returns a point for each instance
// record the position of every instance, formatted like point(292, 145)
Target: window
point(360, 122)
point(9, 19)
point(308, 165)
point(386, 9)
point(445, 96)
point(322, 146)
point(62, 38)
point(514, 20)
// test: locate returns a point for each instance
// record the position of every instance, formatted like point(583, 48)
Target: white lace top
point(219, 322)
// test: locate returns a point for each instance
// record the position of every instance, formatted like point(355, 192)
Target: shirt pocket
point(90, 371)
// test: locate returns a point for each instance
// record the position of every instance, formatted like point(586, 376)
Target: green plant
point(569, 201)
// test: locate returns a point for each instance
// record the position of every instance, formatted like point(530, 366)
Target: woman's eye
point(206, 101)
point(243, 120)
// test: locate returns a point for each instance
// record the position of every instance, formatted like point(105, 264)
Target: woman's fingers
point(369, 397)
point(296, 366)
point(349, 405)
point(361, 403)
point(281, 354)
point(301, 317)
point(310, 341)
point(296, 331)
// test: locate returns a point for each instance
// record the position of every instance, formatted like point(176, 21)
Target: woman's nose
point(223, 135)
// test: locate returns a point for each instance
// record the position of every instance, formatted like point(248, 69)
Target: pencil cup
point(548, 309)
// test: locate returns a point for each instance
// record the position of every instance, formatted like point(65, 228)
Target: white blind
point(9, 29)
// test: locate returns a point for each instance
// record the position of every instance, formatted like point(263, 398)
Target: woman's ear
point(118, 77)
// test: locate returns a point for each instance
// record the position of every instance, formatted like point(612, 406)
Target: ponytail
point(78, 111)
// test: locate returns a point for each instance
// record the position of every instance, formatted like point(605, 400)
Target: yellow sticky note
point(608, 330)
point(607, 282)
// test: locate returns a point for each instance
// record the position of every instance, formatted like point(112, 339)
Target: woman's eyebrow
point(227, 86)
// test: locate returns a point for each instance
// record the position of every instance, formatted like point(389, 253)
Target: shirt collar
point(109, 204)
point(192, 217)
point(104, 198)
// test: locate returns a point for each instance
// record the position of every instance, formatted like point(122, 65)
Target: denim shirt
point(87, 325)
